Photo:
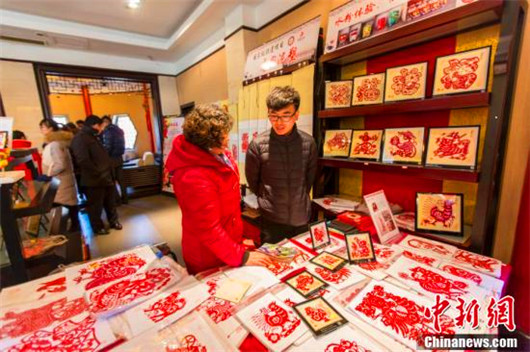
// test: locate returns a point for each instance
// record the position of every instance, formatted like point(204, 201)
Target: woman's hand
point(258, 259)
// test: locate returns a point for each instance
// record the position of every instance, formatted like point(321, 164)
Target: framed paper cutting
point(366, 144)
point(463, 72)
point(328, 261)
point(338, 94)
point(337, 143)
point(368, 89)
point(406, 82)
point(306, 283)
point(319, 315)
point(319, 234)
point(360, 247)
point(440, 213)
point(455, 147)
point(403, 145)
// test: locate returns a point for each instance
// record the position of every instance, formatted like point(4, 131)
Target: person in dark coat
point(97, 180)
point(205, 180)
point(280, 167)
point(114, 142)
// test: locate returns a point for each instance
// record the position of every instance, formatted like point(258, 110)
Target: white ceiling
point(161, 36)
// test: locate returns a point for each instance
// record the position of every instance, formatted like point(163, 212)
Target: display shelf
point(429, 28)
point(407, 170)
point(432, 104)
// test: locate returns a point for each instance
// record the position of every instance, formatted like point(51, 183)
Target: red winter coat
point(207, 191)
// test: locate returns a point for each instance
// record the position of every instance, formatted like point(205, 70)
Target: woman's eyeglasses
point(284, 118)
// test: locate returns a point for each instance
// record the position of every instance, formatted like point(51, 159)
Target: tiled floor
point(147, 220)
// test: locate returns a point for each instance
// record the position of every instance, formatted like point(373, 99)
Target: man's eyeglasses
point(284, 118)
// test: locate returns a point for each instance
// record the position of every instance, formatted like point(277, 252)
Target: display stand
point(457, 21)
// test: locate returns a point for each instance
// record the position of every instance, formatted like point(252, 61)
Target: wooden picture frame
point(404, 145)
point(368, 89)
point(441, 213)
point(319, 234)
point(359, 247)
point(338, 94)
point(453, 146)
point(406, 82)
point(337, 143)
point(366, 144)
point(319, 315)
point(462, 72)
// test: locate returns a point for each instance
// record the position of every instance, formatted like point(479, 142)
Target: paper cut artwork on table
point(477, 262)
point(434, 248)
point(403, 145)
point(46, 288)
point(398, 313)
point(360, 247)
point(454, 147)
point(337, 143)
point(339, 279)
point(485, 281)
point(16, 322)
point(366, 144)
point(406, 82)
point(382, 217)
point(232, 290)
point(368, 89)
point(272, 322)
point(463, 72)
point(338, 94)
point(440, 213)
point(319, 315)
point(421, 257)
point(305, 283)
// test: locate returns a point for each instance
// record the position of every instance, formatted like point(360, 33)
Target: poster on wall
point(172, 128)
point(297, 45)
point(362, 19)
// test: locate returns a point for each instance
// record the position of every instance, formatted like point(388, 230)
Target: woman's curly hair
point(206, 125)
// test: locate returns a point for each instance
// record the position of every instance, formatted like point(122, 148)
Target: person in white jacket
point(57, 162)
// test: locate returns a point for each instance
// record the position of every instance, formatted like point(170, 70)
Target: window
point(124, 122)
point(62, 119)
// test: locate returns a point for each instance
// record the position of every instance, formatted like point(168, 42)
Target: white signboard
point(295, 46)
point(6, 125)
point(172, 128)
point(384, 221)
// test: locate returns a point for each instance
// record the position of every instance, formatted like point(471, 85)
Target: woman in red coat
point(206, 183)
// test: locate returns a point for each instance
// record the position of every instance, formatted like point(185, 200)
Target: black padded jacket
point(281, 170)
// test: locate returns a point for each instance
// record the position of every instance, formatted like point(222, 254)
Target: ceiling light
point(133, 4)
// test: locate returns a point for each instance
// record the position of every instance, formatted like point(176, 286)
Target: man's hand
point(258, 259)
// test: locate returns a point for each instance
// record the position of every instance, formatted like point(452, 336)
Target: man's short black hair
point(280, 97)
point(18, 134)
point(106, 118)
point(80, 122)
point(93, 120)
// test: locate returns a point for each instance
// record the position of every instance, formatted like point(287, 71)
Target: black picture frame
point(328, 328)
point(453, 233)
point(424, 82)
point(380, 146)
point(322, 285)
point(460, 167)
point(311, 226)
point(338, 267)
point(363, 76)
point(359, 261)
point(461, 52)
point(419, 163)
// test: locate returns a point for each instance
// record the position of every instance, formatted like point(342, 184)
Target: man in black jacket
point(114, 143)
point(280, 168)
point(95, 166)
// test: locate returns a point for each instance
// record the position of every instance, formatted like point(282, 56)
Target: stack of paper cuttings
point(336, 204)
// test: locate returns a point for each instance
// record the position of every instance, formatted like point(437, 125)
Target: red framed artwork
point(337, 143)
point(368, 90)
point(338, 94)
point(403, 145)
point(366, 144)
point(463, 72)
point(454, 147)
point(406, 82)
point(441, 213)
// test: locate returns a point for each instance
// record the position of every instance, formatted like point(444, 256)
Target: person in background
point(95, 167)
point(114, 143)
point(56, 162)
point(71, 127)
point(280, 166)
point(19, 135)
point(79, 124)
point(205, 180)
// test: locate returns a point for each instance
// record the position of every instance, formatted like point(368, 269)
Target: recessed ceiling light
point(133, 4)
